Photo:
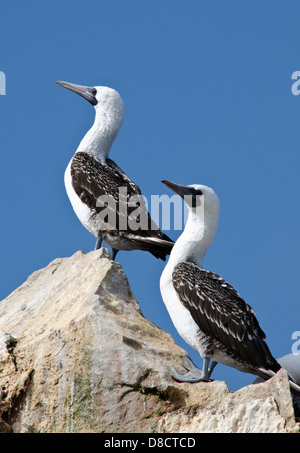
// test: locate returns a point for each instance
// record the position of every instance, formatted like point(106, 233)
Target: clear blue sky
point(207, 93)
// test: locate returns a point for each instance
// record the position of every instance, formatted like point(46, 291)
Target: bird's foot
point(188, 377)
point(194, 374)
point(189, 365)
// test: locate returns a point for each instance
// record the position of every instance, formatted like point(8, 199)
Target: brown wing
point(91, 179)
point(222, 314)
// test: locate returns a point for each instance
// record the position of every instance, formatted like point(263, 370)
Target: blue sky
point(207, 93)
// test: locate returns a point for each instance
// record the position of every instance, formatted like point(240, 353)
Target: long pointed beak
point(87, 93)
point(177, 188)
point(189, 194)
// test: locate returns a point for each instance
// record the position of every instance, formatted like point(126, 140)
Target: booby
point(207, 312)
point(103, 197)
point(291, 363)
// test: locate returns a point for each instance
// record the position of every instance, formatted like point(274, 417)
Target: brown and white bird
point(207, 312)
point(106, 201)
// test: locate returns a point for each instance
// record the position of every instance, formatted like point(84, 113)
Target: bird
point(291, 363)
point(106, 201)
point(208, 312)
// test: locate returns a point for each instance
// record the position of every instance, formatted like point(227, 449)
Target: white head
point(109, 117)
point(201, 226)
point(109, 105)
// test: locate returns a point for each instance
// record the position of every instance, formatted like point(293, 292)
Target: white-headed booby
point(207, 312)
point(92, 177)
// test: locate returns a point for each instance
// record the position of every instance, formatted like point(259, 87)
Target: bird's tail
point(162, 248)
point(267, 374)
point(159, 247)
point(162, 252)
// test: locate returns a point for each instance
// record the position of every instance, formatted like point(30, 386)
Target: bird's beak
point(87, 93)
point(187, 193)
point(180, 190)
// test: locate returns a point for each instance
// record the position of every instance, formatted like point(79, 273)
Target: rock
point(77, 355)
point(291, 363)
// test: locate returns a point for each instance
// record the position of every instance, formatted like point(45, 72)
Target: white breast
point(81, 210)
point(181, 317)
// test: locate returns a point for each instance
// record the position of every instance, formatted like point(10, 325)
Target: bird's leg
point(98, 244)
point(114, 254)
point(194, 374)
point(211, 367)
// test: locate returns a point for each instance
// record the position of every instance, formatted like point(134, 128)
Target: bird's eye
point(196, 191)
point(94, 91)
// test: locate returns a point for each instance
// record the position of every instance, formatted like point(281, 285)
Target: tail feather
point(160, 248)
point(161, 253)
point(267, 374)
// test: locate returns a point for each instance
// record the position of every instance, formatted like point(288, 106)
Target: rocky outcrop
point(77, 355)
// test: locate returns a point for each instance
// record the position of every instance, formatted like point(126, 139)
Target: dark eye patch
point(195, 191)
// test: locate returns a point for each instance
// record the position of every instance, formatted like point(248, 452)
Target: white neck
point(195, 240)
point(99, 139)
